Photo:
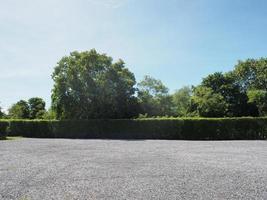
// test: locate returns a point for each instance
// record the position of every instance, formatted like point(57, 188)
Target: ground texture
point(120, 169)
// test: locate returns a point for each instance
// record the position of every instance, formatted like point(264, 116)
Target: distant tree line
point(34, 108)
point(89, 85)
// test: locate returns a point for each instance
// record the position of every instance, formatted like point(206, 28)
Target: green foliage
point(252, 74)
point(1, 113)
point(3, 129)
point(88, 85)
point(207, 103)
point(19, 110)
point(259, 97)
point(37, 108)
point(225, 128)
point(182, 101)
point(154, 98)
point(226, 86)
point(238, 91)
point(31, 128)
point(49, 115)
point(152, 86)
point(34, 108)
point(156, 128)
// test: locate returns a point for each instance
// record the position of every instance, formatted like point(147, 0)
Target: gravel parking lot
point(135, 169)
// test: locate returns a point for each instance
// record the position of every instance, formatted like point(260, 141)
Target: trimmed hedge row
point(105, 129)
point(3, 129)
point(170, 128)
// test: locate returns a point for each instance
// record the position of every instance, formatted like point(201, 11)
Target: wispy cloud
point(109, 3)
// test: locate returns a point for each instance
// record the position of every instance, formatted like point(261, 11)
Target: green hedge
point(169, 128)
point(3, 129)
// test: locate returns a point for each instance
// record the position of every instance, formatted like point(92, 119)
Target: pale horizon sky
point(176, 41)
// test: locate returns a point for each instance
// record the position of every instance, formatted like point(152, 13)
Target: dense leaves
point(242, 91)
point(34, 108)
point(37, 108)
point(3, 129)
point(207, 103)
point(235, 100)
point(153, 97)
point(259, 98)
point(89, 85)
point(171, 128)
point(182, 101)
point(252, 73)
point(19, 110)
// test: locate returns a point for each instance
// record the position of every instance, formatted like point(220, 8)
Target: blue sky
point(177, 41)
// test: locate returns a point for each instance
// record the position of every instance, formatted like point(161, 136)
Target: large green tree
point(259, 98)
point(252, 74)
point(227, 86)
point(89, 85)
point(19, 110)
point(182, 101)
point(154, 98)
point(207, 103)
point(37, 108)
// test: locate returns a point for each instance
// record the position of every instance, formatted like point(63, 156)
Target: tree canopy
point(252, 74)
point(19, 110)
point(207, 103)
point(154, 98)
point(90, 85)
point(259, 98)
point(182, 101)
point(34, 108)
point(225, 85)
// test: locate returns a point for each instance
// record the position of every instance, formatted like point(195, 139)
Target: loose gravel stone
point(48, 169)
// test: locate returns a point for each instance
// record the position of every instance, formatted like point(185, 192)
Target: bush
point(156, 128)
point(102, 129)
point(3, 129)
point(31, 128)
point(225, 129)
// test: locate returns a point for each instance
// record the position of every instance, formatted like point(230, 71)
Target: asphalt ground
point(48, 169)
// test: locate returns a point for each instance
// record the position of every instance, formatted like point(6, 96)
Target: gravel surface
point(132, 169)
